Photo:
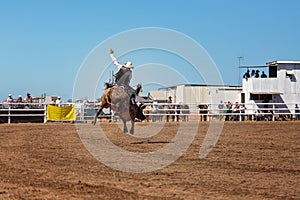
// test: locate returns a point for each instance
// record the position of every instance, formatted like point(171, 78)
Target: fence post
point(240, 117)
point(8, 119)
point(273, 118)
point(45, 113)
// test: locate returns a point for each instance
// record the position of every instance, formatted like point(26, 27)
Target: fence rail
point(27, 112)
point(23, 112)
point(269, 111)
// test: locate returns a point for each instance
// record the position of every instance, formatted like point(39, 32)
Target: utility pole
point(239, 81)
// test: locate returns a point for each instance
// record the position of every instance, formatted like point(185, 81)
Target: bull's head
point(139, 112)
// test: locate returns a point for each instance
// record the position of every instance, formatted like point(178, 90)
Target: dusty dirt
point(252, 160)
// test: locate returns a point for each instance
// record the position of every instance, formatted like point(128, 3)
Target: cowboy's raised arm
point(115, 61)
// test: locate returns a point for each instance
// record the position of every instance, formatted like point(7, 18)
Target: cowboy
point(124, 74)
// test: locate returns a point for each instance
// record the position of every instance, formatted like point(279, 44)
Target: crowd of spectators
point(20, 102)
point(254, 74)
point(26, 102)
point(234, 112)
point(226, 111)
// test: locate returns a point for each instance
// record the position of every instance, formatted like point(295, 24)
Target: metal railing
point(23, 112)
point(27, 112)
point(253, 110)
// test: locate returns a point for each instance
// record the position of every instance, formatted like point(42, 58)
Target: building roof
point(254, 66)
point(276, 62)
point(197, 85)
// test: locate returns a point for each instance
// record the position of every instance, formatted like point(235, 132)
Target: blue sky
point(43, 43)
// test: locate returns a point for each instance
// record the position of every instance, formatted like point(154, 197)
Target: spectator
point(185, 112)
point(257, 74)
point(154, 110)
point(269, 115)
point(242, 111)
point(253, 73)
point(221, 108)
point(203, 112)
point(169, 101)
point(235, 111)
point(263, 75)
point(172, 112)
point(258, 115)
point(247, 74)
point(10, 99)
point(52, 102)
point(20, 101)
point(58, 101)
point(228, 111)
point(28, 98)
point(161, 113)
point(177, 112)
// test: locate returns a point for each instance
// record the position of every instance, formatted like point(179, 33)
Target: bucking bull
point(122, 104)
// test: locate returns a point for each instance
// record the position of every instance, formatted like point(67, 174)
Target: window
point(263, 97)
point(273, 71)
point(242, 97)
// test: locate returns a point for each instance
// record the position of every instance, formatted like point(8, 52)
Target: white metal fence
point(186, 112)
point(27, 112)
point(23, 112)
point(254, 111)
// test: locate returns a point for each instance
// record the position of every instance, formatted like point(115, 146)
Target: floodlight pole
point(239, 81)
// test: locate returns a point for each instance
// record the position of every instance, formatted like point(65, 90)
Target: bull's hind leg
point(125, 130)
point(132, 127)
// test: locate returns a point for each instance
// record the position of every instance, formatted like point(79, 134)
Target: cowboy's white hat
point(128, 64)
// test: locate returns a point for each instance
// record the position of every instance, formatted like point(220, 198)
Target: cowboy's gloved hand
point(111, 51)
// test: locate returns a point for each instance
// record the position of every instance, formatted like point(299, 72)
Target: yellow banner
point(61, 113)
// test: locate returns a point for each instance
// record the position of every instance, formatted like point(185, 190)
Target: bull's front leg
point(97, 114)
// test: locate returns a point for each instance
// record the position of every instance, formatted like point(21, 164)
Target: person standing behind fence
point(20, 101)
point(242, 112)
point(154, 110)
point(235, 112)
point(28, 98)
point(58, 101)
point(263, 75)
point(228, 111)
point(185, 113)
point(177, 112)
point(247, 74)
point(169, 101)
point(253, 73)
point(257, 74)
point(10, 99)
point(221, 108)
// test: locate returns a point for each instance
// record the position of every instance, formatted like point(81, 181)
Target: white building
point(281, 87)
point(195, 94)
point(279, 91)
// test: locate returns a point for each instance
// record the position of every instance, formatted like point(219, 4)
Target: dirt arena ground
point(251, 160)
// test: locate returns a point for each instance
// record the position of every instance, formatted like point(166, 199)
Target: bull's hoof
point(131, 132)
